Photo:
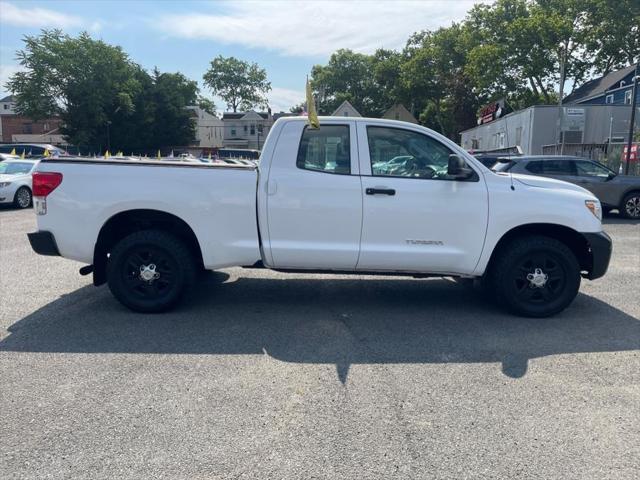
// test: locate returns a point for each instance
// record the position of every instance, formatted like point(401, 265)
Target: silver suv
point(613, 191)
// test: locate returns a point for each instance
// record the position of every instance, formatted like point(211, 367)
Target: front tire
point(22, 198)
point(149, 271)
point(535, 276)
point(631, 206)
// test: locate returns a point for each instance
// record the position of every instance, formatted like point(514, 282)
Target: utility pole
point(633, 117)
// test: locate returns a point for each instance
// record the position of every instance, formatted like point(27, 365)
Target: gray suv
point(613, 191)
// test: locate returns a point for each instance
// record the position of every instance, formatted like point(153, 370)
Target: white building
point(346, 110)
point(399, 112)
point(246, 129)
point(209, 128)
point(7, 106)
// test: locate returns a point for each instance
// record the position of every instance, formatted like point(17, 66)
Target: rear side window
point(325, 149)
point(534, 167)
point(559, 167)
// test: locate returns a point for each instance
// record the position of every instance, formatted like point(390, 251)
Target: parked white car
point(15, 182)
point(317, 203)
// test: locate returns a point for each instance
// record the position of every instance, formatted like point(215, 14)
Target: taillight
point(45, 182)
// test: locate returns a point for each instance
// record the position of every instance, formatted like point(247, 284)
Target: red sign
point(490, 112)
point(635, 151)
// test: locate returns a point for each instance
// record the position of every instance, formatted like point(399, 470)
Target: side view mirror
point(458, 168)
point(611, 176)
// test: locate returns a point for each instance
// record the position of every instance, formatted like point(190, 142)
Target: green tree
point(104, 98)
point(207, 105)
point(613, 33)
point(434, 79)
point(347, 76)
point(241, 84)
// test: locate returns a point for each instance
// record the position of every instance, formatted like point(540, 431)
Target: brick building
point(18, 128)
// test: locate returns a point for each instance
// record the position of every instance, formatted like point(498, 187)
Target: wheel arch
point(630, 190)
point(129, 221)
point(573, 239)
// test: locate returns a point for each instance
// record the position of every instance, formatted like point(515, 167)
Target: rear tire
point(149, 271)
point(535, 276)
point(22, 198)
point(630, 207)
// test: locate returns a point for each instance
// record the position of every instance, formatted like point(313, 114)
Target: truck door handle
point(380, 191)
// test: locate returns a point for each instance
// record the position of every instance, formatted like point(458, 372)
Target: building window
point(346, 113)
point(233, 131)
point(6, 106)
point(245, 129)
point(501, 140)
point(608, 99)
point(253, 129)
point(475, 144)
point(397, 116)
point(519, 136)
point(627, 97)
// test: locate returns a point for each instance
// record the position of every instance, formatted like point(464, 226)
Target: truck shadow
point(331, 321)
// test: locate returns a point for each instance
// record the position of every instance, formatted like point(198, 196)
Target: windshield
point(15, 168)
point(503, 165)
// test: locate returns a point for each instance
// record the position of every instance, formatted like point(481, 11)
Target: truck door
point(415, 218)
point(314, 198)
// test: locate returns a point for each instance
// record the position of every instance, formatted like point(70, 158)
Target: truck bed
point(218, 202)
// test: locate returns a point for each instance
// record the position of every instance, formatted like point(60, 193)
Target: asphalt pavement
point(263, 375)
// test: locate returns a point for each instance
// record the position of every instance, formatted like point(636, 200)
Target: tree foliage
point(241, 84)
point(525, 51)
point(102, 96)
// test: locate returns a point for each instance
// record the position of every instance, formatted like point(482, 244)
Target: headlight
point(594, 207)
point(4, 184)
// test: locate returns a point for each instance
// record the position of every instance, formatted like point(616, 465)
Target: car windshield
point(15, 168)
point(502, 165)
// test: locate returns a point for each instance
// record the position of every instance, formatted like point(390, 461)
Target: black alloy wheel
point(149, 270)
point(631, 206)
point(535, 276)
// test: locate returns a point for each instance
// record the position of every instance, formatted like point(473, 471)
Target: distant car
point(31, 149)
point(245, 153)
point(392, 165)
point(8, 156)
point(613, 191)
point(489, 159)
point(15, 182)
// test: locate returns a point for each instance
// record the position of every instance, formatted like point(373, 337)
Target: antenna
point(506, 130)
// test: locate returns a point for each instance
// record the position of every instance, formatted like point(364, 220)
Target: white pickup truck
point(357, 195)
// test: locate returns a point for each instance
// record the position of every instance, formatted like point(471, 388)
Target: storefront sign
point(491, 112)
point(635, 151)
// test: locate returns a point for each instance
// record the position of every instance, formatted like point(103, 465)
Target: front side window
point(591, 169)
point(395, 152)
point(326, 149)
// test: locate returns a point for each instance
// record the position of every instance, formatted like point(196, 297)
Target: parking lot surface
point(267, 375)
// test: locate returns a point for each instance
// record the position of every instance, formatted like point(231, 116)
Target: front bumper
point(43, 243)
point(600, 246)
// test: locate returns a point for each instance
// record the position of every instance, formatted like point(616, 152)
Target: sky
point(285, 37)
